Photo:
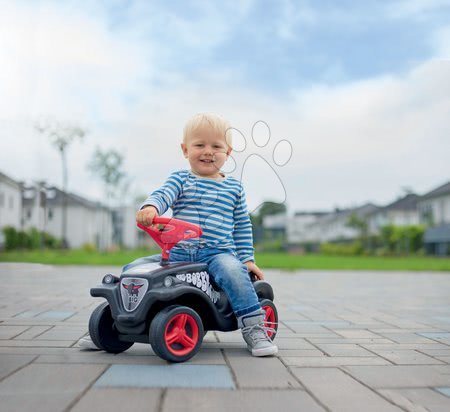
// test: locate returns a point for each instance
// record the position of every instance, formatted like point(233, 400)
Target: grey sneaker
point(86, 343)
point(255, 334)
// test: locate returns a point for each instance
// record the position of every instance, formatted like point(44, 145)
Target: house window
point(28, 213)
point(2, 199)
point(426, 214)
point(11, 202)
point(50, 214)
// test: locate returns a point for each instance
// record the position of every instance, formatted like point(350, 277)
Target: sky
point(333, 104)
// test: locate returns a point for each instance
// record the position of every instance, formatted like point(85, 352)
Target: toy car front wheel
point(176, 333)
point(102, 331)
point(271, 317)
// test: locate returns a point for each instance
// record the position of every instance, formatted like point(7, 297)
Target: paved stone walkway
point(349, 341)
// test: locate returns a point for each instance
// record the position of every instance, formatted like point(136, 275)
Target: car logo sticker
point(132, 291)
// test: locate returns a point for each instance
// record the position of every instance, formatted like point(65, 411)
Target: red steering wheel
point(167, 232)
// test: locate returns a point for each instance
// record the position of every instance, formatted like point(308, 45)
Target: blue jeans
point(230, 274)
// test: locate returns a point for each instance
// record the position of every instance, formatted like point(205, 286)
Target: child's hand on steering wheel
point(146, 215)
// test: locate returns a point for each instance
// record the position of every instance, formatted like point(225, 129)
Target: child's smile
point(206, 151)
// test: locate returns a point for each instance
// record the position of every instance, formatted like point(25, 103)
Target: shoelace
point(261, 331)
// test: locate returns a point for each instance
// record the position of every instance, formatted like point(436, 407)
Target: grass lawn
point(264, 260)
point(75, 257)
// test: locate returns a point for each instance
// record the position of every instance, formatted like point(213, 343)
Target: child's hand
point(251, 266)
point(146, 215)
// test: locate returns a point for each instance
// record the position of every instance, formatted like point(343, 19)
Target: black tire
point(174, 337)
point(271, 317)
point(102, 331)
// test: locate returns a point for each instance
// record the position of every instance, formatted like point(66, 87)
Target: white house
point(300, 228)
point(316, 228)
point(402, 212)
point(127, 233)
point(87, 221)
point(10, 201)
point(434, 210)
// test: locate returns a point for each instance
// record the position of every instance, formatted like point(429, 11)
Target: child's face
point(206, 151)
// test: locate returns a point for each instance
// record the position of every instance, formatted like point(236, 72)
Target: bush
point(11, 238)
point(50, 242)
point(89, 247)
point(402, 239)
point(33, 239)
point(342, 249)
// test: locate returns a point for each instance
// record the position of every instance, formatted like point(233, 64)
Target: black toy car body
point(169, 305)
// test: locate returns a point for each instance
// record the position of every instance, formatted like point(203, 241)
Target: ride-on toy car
point(169, 305)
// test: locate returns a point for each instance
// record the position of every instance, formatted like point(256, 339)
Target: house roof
point(55, 197)
point(310, 213)
point(10, 180)
point(408, 202)
point(439, 191)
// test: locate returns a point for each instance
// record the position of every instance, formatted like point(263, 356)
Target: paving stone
point(327, 361)
point(299, 352)
point(39, 387)
point(119, 400)
point(340, 392)
point(344, 349)
point(293, 343)
point(388, 313)
point(243, 400)
point(10, 363)
point(28, 314)
point(417, 399)
point(403, 346)
point(400, 376)
point(87, 357)
point(439, 336)
point(406, 338)
point(167, 376)
point(52, 314)
point(36, 402)
point(357, 333)
point(407, 357)
point(9, 332)
point(206, 356)
point(445, 391)
point(325, 323)
point(357, 341)
point(63, 333)
point(265, 372)
point(435, 352)
point(32, 332)
point(34, 342)
point(310, 330)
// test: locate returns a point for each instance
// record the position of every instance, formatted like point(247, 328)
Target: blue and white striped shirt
point(218, 207)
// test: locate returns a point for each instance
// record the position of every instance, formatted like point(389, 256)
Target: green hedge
point(29, 240)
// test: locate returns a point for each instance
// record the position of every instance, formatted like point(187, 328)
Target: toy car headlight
point(109, 278)
point(168, 281)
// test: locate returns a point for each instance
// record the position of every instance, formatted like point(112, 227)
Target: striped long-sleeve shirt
point(218, 207)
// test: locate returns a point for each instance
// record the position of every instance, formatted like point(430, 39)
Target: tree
point(266, 209)
point(107, 165)
point(360, 225)
point(61, 135)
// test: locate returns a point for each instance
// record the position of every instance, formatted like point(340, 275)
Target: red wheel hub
point(181, 334)
point(269, 319)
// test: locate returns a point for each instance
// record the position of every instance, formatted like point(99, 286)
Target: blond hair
point(214, 121)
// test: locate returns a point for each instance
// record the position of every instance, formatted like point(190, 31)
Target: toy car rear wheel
point(176, 333)
point(271, 317)
point(102, 331)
